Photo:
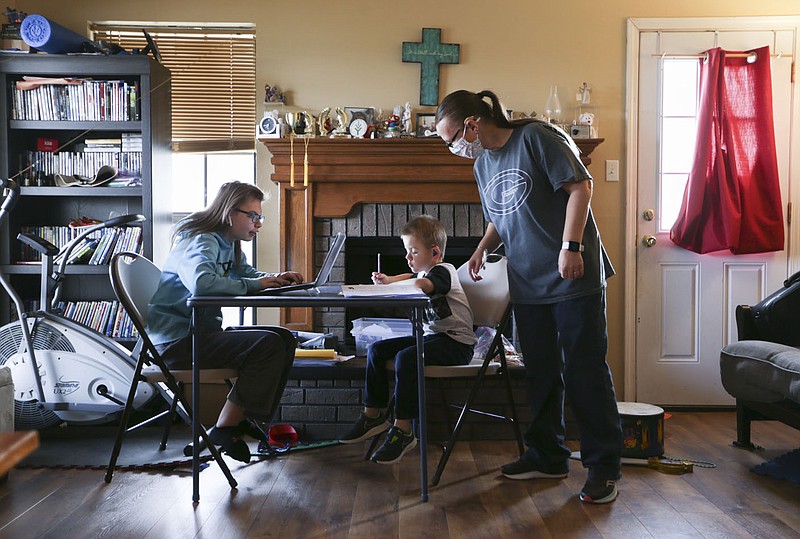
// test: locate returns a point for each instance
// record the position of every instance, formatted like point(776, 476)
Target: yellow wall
point(328, 53)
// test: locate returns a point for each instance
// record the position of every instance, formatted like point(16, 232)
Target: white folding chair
point(490, 302)
point(135, 279)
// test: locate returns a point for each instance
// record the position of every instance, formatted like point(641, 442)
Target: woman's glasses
point(455, 136)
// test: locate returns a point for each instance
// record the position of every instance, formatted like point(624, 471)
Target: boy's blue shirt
point(200, 264)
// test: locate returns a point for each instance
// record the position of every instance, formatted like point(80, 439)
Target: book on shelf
point(112, 313)
point(75, 100)
point(104, 316)
point(67, 308)
point(123, 325)
point(125, 181)
point(81, 163)
point(83, 251)
point(109, 238)
point(96, 249)
point(103, 141)
point(132, 141)
point(80, 311)
point(95, 308)
point(86, 315)
point(57, 235)
point(117, 326)
point(101, 148)
point(99, 321)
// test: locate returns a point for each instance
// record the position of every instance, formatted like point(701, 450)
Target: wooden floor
point(332, 492)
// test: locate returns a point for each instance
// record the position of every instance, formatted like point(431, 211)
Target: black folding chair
point(135, 279)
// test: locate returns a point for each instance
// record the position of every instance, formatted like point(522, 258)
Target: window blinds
point(213, 80)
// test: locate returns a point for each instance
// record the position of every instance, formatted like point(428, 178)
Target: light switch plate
point(612, 170)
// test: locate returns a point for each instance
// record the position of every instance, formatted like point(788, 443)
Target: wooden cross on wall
point(430, 53)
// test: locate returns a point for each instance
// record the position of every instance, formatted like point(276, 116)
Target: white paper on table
point(394, 289)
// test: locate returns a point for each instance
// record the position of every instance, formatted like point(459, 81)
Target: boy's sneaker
point(396, 445)
point(597, 490)
point(365, 427)
point(526, 469)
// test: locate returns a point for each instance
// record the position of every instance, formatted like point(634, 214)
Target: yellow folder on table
point(324, 353)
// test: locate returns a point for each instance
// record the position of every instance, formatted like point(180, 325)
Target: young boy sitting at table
point(448, 340)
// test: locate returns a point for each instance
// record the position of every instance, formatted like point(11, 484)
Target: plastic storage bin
point(369, 330)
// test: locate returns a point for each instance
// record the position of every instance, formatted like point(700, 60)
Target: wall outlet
point(612, 170)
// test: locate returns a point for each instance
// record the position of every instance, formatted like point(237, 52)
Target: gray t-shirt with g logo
point(520, 189)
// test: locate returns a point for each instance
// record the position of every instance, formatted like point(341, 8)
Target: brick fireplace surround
point(370, 188)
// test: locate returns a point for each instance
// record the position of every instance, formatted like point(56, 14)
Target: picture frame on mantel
point(363, 113)
point(426, 124)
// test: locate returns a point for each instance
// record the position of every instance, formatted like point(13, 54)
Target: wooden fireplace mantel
point(345, 172)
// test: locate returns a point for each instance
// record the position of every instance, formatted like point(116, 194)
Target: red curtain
point(732, 198)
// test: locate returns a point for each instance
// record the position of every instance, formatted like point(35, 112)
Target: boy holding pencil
point(448, 340)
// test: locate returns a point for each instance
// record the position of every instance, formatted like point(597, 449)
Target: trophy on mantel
point(290, 119)
point(301, 124)
point(309, 124)
point(324, 122)
point(342, 124)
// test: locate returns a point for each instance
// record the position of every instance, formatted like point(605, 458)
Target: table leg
point(423, 411)
point(195, 410)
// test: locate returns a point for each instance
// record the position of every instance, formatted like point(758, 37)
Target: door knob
point(648, 215)
point(648, 240)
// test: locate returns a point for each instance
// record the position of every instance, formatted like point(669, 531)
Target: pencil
point(379, 262)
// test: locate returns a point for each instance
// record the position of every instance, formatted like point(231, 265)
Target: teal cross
point(429, 54)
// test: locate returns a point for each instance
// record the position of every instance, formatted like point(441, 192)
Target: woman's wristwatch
point(574, 246)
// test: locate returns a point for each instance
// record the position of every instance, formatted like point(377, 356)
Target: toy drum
point(642, 430)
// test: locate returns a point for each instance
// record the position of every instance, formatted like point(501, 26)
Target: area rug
point(786, 466)
point(90, 448)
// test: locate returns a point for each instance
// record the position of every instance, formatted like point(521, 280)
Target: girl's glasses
point(256, 218)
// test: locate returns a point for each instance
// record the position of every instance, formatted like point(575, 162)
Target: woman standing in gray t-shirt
point(535, 194)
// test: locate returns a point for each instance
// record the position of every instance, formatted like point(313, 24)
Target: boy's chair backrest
point(489, 297)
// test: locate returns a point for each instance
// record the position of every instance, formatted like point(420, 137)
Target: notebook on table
point(322, 277)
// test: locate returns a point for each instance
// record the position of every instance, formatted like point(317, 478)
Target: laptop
point(322, 277)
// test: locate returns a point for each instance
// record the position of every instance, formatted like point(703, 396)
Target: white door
point(685, 302)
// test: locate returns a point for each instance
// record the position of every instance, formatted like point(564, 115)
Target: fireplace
point(373, 228)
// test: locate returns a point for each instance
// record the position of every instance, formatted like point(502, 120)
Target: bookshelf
point(117, 114)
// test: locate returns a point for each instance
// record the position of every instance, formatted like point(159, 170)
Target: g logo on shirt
point(507, 191)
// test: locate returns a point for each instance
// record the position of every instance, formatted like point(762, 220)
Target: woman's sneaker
point(527, 469)
point(397, 444)
point(597, 490)
point(365, 427)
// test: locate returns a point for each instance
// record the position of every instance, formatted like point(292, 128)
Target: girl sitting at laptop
point(207, 259)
